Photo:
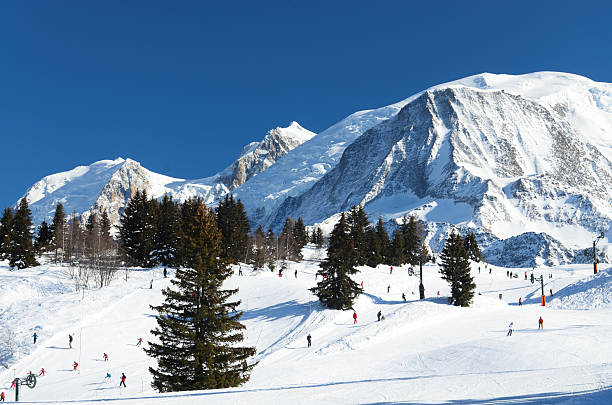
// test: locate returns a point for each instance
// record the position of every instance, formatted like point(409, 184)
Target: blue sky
point(182, 86)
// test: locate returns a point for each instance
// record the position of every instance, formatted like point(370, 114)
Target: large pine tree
point(471, 246)
point(360, 227)
point(198, 327)
point(138, 223)
point(58, 226)
point(336, 289)
point(167, 237)
point(456, 270)
point(6, 225)
point(234, 225)
point(22, 249)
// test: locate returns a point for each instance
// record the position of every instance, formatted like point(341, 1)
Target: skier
point(391, 270)
point(478, 269)
point(105, 357)
point(525, 275)
point(507, 273)
point(240, 271)
point(139, 342)
point(354, 317)
point(541, 323)
point(165, 273)
point(123, 377)
point(510, 329)
point(379, 314)
point(151, 284)
point(520, 301)
point(42, 372)
point(70, 341)
point(490, 270)
point(295, 273)
point(74, 366)
point(438, 292)
point(309, 339)
point(388, 288)
point(108, 376)
point(2, 396)
point(404, 297)
point(551, 294)
point(35, 336)
point(13, 384)
point(532, 279)
point(362, 285)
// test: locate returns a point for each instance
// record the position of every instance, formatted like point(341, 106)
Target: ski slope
point(423, 352)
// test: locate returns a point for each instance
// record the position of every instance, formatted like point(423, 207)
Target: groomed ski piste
point(425, 351)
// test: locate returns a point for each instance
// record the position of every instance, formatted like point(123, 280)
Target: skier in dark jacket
point(404, 297)
point(35, 336)
point(309, 339)
point(70, 341)
point(379, 314)
point(123, 377)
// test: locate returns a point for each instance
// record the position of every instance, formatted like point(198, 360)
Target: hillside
point(423, 352)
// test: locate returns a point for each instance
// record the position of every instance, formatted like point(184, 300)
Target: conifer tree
point(167, 236)
point(412, 231)
point(300, 235)
point(456, 270)
point(336, 289)
point(383, 240)
point(271, 250)
point(317, 237)
point(6, 226)
point(234, 225)
point(58, 226)
point(44, 238)
point(22, 250)
point(198, 328)
point(399, 251)
point(360, 227)
point(471, 246)
point(259, 241)
point(105, 229)
point(137, 229)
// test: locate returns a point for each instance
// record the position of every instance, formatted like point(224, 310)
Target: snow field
point(424, 351)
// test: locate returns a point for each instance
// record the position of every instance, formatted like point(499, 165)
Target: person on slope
point(123, 377)
point(541, 323)
point(379, 314)
point(70, 341)
point(42, 372)
point(74, 366)
point(295, 273)
point(2, 396)
point(165, 273)
point(35, 336)
point(404, 297)
point(309, 339)
point(362, 285)
point(139, 342)
point(151, 284)
point(105, 357)
point(391, 270)
point(388, 288)
point(551, 294)
point(13, 384)
point(510, 327)
point(520, 301)
point(108, 376)
point(354, 317)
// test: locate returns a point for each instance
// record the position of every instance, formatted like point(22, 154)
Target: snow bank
point(590, 293)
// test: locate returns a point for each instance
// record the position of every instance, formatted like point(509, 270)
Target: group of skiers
point(511, 326)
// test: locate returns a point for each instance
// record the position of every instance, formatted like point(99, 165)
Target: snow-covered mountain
point(519, 159)
point(108, 185)
point(505, 154)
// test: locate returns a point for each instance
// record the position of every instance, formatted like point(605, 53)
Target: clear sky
point(181, 86)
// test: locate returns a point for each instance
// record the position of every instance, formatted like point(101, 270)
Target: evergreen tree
point(336, 289)
point(300, 235)
point(471, 246)
point(271, 250)
point(399, 251)
point(288, 247)
point(259, 241)
point(360, 228)
point(456, 270)
point(412, 230)
point(22, 251)
point(198, 327)
point(233, 223)
point(58, 226)
point(375, 250)
point(105, 235)
point(6, 226)
point(44, 238)
point(167, 236)
point(383, 240)
point(137, 229)
point(317, 237)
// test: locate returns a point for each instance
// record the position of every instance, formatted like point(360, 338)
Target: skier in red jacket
point(541, 323)
point(354, 317)
point(2, 396)
point(74, 366)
